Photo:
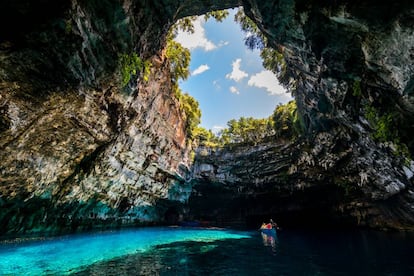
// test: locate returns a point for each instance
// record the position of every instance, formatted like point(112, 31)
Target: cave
point(64, 101)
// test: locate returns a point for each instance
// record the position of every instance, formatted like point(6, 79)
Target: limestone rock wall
point(342, 58)
point(79, 151)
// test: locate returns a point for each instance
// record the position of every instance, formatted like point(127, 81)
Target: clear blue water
point(180, 251)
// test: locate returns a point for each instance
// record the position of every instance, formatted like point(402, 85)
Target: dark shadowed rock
point(79, 151)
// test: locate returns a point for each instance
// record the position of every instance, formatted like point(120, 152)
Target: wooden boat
point(269, 232)
point(268, 229)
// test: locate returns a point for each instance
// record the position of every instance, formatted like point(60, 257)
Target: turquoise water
point(68, 254)
point(180, 251)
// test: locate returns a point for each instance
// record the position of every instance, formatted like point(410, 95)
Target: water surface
point(68, 254)
point(180, 251)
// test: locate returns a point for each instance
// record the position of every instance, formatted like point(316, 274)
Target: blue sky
point(228, 79)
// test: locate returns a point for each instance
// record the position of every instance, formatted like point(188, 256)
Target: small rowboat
point(269, 232)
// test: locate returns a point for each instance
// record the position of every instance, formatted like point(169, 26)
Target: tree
point(272, 59)
point(179, 58)
point(186, 24)
point(132, 65)
point(254, 37)
point(179, 61)
point(246, 130)
point(286, 121)
point(205, 137)
point(190, 107)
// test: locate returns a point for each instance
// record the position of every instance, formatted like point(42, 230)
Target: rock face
point(79, 150)
point(342, 59)
point(298, 185)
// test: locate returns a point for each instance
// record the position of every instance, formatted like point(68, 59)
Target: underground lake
point(122, 118)
point(197, 251)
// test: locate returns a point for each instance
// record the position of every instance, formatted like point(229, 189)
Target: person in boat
point(266, 226)
point(270, 225)
point(274, 224)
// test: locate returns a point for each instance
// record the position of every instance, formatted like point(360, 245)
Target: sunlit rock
point(79, 150)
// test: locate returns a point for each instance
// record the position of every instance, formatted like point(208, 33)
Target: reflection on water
point(270, 240)
point(287, 253)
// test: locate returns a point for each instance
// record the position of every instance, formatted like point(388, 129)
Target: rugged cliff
point(350, 68)
point(80, 149)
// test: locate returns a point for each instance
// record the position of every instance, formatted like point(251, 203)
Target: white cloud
point(197, 39)
point(266, 79)
point(236, 74)
point(234, 90)
point(200, 69)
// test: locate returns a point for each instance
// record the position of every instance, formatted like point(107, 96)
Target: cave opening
point(226, 72)
point(335, 94)
point(92, 82)
point(233, 75)
point(226, 75)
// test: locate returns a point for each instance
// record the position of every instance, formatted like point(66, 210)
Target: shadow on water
point(288, 253)
point(186, 258)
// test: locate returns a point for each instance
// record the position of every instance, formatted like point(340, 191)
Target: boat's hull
point(269, 232)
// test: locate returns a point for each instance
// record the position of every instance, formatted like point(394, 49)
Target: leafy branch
point(131, 65)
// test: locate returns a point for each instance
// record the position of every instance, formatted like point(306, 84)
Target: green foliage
point(356, 88)
point(219, 15)
point(255, 38)
point(287, 122)
point(186, 24)
point(147, 70)
point(385, 130)
point(246, 130)
point(272, 59)
point(131, 65)
point(68, 26)
point(179, 61)
point(179, 58)
point(205, 137)
point(190, 107)
point(382, 124)
point(402, 150)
